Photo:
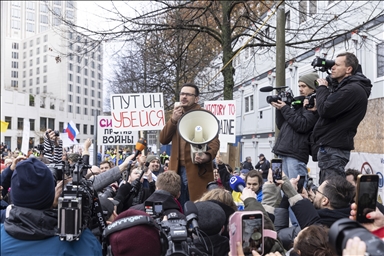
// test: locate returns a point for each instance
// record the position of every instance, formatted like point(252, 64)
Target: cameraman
point(295, 124)
point(340, 112)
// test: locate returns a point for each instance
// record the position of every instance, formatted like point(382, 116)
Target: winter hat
point(244, 171)
point(108, 206)
point(74, 157)
point(228, 210)
point(32, 185)
point(137, 240)
point(211, 217)
point(309, 79)
point(151, 158)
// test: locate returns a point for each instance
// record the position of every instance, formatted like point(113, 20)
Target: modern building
point(50, 75)
point(256, 68)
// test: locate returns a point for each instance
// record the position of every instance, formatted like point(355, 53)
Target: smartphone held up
point(367, 187)
point(277, 169)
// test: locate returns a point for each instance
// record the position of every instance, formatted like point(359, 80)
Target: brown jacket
point(196, 183)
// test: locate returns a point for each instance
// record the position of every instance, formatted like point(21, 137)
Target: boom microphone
point(270, 88)
point(237, 183)
point(191, 213)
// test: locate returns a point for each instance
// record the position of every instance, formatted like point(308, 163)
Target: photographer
point(340, 111)
point(53, 146)
point(295, 124)
point(31, 227)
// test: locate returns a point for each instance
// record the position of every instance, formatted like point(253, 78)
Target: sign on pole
point(225, 112)
point(137, 112)
point(107, 136)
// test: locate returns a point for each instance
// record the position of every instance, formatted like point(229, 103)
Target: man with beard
point(194, 177)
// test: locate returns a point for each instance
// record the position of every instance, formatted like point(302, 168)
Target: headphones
point(129, 222)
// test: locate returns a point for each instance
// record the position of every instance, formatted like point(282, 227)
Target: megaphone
point(198, 127)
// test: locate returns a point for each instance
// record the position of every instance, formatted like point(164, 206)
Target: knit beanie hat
point(32, 185)
point(211, 217)
point(309, 79)
point(151, 158)
point(137, 240)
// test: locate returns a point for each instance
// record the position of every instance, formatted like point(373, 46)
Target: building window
point(15, 46)
point(92, 93)
point(30, 27)
point(14, 83)
point(15, 55)
point(31, 124)
point(69, 4)
point(98, 104)
point(44, 89)
point(45, 48)
point(92, 128)
point(93, 83)
point(30, 63)
point(43, 28)
point(92, 103)
point(70, 108)
point(51, 123)
point(15, 13)
point(307, 8)
point(8, 119)
point(77, 99)
point(37, 60)
point(85, 81)
point(38, 50)
point(24, 64)
point(248, 102)
point(69, 14)
point(15, 64)
point(99, 85)
point(37, 71)
point(37, 90)
point(14, 74)
point(85, 91)
point(30, 5)
point(61, 126)
point(380, 59)
point(85, 129)
point(85, 72)
point(85, 111)
point(24, 74)
point(43, 8)
point(45, 58)
point(70, 87)
point(78, 89)
point(70, 77)
point(78, 127)
point(31, 16)
point(45, 38)
point(20, 123)
point(45, 69)
point(37, 80)
point(85, 101)
point(69, 97)
point(99, 95)
point(44, 79)
point(43, 19)
point(78, 80)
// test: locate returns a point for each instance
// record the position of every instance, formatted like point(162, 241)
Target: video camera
point(344, 229)
point(323, 64)
point(78, 204)
point(283, 95)
point(176, 237)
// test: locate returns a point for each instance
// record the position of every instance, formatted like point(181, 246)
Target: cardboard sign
point(137, 112)
point(107, 136)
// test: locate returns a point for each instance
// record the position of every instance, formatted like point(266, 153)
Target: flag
point(71, 130)
point(4, 126)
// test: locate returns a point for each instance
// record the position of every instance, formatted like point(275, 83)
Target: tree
point(232, 23)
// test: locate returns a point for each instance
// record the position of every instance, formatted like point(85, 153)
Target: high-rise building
point(50, 74)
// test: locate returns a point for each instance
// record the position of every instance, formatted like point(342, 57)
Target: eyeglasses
point(317, 191)
point(186, 94)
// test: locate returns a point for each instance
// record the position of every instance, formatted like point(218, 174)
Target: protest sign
point(107, 136)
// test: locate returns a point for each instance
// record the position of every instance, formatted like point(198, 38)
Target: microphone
point(141, 144)
point(237, 183)
point(270, 88)
point(191, 212)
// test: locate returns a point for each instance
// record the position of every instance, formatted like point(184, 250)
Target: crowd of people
point(183, 202)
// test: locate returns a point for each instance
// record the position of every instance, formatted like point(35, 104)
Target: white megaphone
point(198, 127)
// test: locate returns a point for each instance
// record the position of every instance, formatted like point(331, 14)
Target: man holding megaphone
point(194, 135)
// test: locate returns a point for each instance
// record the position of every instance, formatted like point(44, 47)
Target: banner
point(4, 126)
point(225, 111)
point(137, 112)
point(107, 136)
point(71, 130)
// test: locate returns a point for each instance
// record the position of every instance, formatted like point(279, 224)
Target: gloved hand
point(136, 184)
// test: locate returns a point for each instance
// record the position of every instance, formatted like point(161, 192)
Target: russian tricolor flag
point(71, 130)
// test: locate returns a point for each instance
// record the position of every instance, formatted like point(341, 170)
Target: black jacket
point(295, 125)
point(264, 167)
point(341, 111)
point(217, 245)
point(248, 165)
point(126, 199)
point(307, 215)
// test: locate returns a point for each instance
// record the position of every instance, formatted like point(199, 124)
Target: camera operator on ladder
point(295, 124)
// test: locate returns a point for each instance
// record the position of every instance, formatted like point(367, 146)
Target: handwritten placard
point(137, 112)
point(106, 135)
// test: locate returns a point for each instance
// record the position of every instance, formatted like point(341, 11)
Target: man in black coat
point(340, 113)
point(263, 166)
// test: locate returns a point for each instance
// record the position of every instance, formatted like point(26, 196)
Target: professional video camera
point(343, 229)
point(177, 238)
point(283, 95)
point(323, 64)
point(311, 101)
point(78, 203)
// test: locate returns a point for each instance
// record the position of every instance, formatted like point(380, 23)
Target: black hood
point(360, 79)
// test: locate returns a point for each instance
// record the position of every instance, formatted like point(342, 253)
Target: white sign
point(25, 141)
point(225, 112)
point(137, 112)
point(367, 163)
point(107, 136)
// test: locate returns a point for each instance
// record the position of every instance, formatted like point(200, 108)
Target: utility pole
point(280, 50)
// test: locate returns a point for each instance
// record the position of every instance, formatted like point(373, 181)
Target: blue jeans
point(293, 167)
point(184, 195)
point(332, 161)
